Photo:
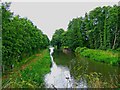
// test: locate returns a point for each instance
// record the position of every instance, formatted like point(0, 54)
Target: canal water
point(63, 76)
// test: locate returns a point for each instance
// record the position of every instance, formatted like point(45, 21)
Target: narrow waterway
point(60, 77)
point(63, 76)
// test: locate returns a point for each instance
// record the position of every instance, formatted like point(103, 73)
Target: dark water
point(63, 76)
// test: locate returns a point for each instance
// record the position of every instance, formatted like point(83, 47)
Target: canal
point(70, 71)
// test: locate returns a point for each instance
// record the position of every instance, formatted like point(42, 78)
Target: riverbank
point(31, 74)
point(110, 57)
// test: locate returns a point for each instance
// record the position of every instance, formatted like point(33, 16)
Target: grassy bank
point(110, 57)
point(31, 74)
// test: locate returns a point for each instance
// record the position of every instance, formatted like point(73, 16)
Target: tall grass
point(92, 79)
point(108, 56)
point(32, 76)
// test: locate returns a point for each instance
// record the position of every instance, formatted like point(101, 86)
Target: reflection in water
point(80, 66)
point(60, 77)
point(67, 70)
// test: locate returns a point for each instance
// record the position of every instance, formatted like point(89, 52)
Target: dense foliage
point(56, 40)
point(98, 29)
point(20, 38)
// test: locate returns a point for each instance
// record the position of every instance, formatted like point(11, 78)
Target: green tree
point(57, 38)
point(20, 38)
point(98, 29)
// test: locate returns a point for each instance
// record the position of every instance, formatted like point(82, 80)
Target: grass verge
point(31, 74)
point(110, 57)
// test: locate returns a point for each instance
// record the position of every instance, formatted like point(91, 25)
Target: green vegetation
point(25, 57)
point(95, 75)
point(56, 40)
point(20, 38)
point(31, 74)
point(110, 57)
point(98, 29)
point(95, 36)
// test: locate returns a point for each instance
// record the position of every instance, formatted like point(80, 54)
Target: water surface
point(62, 76)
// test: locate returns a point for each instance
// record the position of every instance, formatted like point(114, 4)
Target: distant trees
point(20, 38)
point(98, 29)
point(57, 38)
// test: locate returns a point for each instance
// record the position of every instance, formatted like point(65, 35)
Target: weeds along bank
point(108, 56)
point(95, 78)
point(30, 75)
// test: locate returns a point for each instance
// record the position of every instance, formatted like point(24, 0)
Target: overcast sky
point(49, 16)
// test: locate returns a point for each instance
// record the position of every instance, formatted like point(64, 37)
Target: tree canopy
point(20, 37)
point(98, 29)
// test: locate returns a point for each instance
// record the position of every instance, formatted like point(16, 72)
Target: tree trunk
point(115, 39)
point(114, 42)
